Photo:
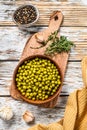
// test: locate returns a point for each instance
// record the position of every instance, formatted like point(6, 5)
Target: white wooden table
point(12, 42)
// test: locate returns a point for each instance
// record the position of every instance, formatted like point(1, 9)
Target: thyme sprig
point(57, 45)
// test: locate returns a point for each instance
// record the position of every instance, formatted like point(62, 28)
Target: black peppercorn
point(25, 15)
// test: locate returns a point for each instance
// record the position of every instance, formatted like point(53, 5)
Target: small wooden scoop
point(60, 59)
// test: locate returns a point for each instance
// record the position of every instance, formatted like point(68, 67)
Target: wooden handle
point(61, 59)
point(55, 20)
point(84, 70)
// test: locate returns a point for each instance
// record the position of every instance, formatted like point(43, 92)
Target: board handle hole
point(56, 18)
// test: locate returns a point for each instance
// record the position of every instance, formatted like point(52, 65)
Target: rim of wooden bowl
point(38, 102)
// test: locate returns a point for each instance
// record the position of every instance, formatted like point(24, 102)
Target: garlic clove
point(28, 117)
point(6, 113)
point(39, 37)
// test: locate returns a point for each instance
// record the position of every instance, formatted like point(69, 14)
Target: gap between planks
point(71, 13)
point(13, 41)
point(42, 115)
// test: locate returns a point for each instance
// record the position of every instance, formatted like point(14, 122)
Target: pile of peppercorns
point(25, 15)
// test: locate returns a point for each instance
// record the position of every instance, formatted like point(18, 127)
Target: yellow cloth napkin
point(75, 117)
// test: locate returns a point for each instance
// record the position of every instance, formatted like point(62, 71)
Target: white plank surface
point(71, 11)
point(12, 41)
point(42, 115)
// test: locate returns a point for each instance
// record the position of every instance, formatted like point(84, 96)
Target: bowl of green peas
point(38, 79)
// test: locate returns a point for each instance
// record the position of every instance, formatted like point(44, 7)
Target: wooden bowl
point(52, 100)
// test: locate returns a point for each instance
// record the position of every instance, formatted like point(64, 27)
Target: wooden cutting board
point(61, 59)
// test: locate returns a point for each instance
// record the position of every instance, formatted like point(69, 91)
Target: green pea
point(17, 75)
point(59, 82)
point(40, 97)
point(34, 88)
point(38, 72)
point(37, 97)
point(31, 94)
point(39, 91)
point(38, 79)
point(53, 90)
point(31, 82)
point(19, 84)
point(37, 84)
point(48, 92)
point(25, 67)
point(28, 77)
point(33, 98)
point(25, 62)
point(29, 90)
point(23, 93)
point(28, 87)
point(29, 97)
point(24, 87)
point(49, 89)
point(56, 88)
point(39, 94)
point(19, 88)
point(46, 87)
point(34, 93)
point(43, 79)
point(53, 85)
point(58, 76)
point(52, 93)
point(43, 88)
point(53, 81)
point(30, 72)
point(43, 92)
point(46, 96)
point(56, 82)
point(27, 80)
point(22, 90)
point(17, 79)
point(40, 85)
point(43, 98)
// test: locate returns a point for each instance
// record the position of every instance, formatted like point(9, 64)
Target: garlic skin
point(28, 117)
point(6, 113)
point(39, 37)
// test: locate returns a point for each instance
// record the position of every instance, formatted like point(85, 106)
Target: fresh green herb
point(43, 43)
point(57, 45)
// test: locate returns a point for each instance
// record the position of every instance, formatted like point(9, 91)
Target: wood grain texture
point(72, 80)
point(38, 0)
point(12, 41)
point(59, 59)
point(42, 115)
point(71, 12)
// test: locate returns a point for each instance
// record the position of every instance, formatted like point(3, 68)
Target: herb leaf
point(59, 45)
